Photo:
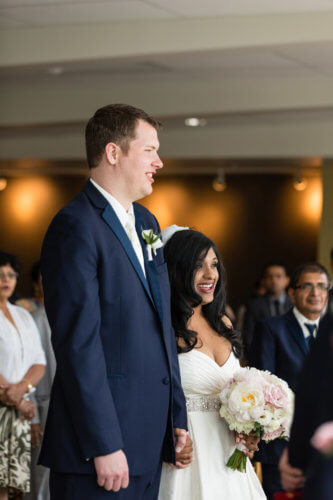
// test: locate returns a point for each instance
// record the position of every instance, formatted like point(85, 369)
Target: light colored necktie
point(134, 239)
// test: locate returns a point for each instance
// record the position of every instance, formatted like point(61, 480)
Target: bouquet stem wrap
point(237, 461)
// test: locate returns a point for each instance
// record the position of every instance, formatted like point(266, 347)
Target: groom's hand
point(185, 457)
point(112, 471)
point(180, 438)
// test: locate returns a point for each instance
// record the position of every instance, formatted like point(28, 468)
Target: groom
point(117, 408)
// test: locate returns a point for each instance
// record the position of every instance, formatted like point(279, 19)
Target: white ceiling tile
point(212, 8)
point(228, 60)
point(7, 22)
point(319, 55)
point(42, 3)
point(89, 12)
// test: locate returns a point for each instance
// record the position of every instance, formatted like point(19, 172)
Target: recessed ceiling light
point(3, 183)
point(55, 70)
point(300, 183)
point(195, 122)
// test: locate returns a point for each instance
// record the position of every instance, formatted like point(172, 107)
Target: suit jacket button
point(166, 381)
point(87, 459)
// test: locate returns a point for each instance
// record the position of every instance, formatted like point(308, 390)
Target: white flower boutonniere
point(153, 242)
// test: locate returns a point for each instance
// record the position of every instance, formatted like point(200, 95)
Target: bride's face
point(206, 276)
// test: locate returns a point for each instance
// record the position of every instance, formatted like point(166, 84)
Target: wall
point(325, 244)
point(258, 218)
point(27, 206)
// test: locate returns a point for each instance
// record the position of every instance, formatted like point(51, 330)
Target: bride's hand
point(250, 441)
point(184, 457)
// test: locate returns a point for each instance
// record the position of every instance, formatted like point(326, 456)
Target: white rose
point(244, 398)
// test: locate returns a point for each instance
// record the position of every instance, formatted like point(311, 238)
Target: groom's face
point(139, 165)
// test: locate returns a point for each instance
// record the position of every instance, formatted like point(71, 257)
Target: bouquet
point(256, 402)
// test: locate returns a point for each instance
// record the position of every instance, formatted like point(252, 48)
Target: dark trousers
point(85, 487)
point(271, 480)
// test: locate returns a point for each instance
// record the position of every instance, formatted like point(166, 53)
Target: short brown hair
point(113, 123)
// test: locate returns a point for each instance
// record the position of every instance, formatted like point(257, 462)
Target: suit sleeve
point(69, 270)
point(178, 401)
point(179, 404)
point(314, 397)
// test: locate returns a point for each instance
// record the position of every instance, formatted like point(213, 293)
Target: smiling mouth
point(150, 176)
point(206, 288)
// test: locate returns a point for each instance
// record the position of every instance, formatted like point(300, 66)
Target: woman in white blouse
point(22, 365)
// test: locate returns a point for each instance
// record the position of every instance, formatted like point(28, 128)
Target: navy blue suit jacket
point(117, 383)
point(280, 347)
point(258, 309)
point(313, 407)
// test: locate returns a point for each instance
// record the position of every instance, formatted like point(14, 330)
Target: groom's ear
point(111, 152)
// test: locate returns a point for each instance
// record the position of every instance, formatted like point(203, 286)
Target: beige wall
point(325, 243)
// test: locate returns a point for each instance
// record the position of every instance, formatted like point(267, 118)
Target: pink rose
point(276, 396)
point(270, 436)
point(322, 439)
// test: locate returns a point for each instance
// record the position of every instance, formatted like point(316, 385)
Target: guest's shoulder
point(24, 314)
point(257, 302)
point(277, 322)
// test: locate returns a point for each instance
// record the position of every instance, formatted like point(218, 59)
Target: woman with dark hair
point(22, 365)
point(209, 349)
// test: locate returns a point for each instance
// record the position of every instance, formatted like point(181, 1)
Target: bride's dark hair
point(183, 251)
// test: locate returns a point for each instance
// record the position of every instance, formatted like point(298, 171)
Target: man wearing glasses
point(281, 344)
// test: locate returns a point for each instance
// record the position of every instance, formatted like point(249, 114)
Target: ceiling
point(27, 13)
point(260, 73)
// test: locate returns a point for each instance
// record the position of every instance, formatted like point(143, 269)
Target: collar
point(302, 320)
point(116, 205)
point(281, 299)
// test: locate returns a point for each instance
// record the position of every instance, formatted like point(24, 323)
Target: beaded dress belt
point(203, 403)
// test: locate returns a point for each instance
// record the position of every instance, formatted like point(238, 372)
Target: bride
point(208, 356)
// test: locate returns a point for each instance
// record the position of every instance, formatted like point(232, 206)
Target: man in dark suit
point(313, 407)
point(281, 344)
point(274, 303)
point(117, 407)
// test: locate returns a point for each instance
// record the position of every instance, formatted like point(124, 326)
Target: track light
point(219, 183)
point(299, 183)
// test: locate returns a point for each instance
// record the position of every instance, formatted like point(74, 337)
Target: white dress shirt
point(127, 220)
point(20, 347)
point(302, 320)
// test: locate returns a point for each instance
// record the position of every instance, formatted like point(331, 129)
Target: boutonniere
point(153, 242)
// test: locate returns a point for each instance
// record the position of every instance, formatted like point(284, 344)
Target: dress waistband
point(203, 403)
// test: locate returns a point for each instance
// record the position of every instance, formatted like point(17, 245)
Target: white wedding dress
point(208, 477)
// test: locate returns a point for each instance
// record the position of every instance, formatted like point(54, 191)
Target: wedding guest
point(37, 299)
point(330, 297)
point(22, 365)
point(258, 290)
point(39, 474)
point(281, 344)
point(273, 303)
point(209, 349)
point(313, 407)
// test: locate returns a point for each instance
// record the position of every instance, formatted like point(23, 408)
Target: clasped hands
point(185, 457)
point(12, 395)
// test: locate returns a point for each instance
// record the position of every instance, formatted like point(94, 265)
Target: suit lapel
point(150, 266)
point(297, 333)
point(267, 306)
point(113, 222)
